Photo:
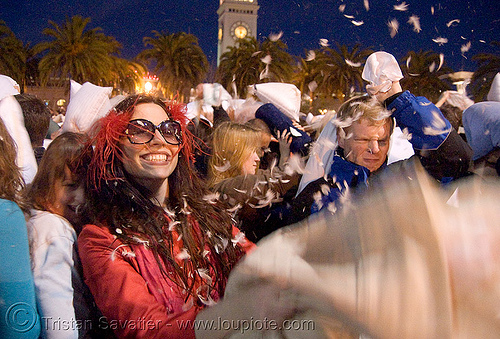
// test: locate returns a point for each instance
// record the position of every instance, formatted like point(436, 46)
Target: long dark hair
point(120, 203)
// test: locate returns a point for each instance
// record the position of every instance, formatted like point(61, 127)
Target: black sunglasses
point(142, 131)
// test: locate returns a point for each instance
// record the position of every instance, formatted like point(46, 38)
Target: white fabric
point(381, 69)
point(53, 239)
point(399, 147)
point(8, 86)
point(87, 104)
point(321, 156)
point(494, 93)
point(400, 264)
point(12, 116)
point(214, 94)
point(286, 97)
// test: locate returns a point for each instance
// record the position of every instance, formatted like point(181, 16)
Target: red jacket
point(113, 275)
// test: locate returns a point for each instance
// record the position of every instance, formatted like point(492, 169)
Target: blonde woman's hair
point(232, 145)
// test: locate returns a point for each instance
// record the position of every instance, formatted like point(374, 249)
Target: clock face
point(240, 32)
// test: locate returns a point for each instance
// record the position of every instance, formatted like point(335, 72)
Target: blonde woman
point(255, 196)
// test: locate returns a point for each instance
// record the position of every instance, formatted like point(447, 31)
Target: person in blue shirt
point(18, 311)
point(364, 125)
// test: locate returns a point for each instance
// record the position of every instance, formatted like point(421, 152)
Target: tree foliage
point(488, 67)
point(251, 62)
point(179, 61)
point(76, 53)
point(423, 75)
point(13, 54)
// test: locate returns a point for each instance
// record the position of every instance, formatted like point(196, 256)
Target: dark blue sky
point(303, 23)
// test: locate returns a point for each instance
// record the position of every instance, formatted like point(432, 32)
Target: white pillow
point(494, 93)
point(12, 116)
point(87, 104)
point(286, 97)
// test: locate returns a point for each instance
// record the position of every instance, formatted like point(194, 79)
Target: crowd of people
point(142, 219)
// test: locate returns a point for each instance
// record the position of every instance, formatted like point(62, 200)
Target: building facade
point(237, 20)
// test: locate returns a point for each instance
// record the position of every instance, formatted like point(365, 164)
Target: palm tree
point(340, 69)
point(127, 75)
point(180, 61)
point(251, 62)
point(423, 75)
point(13, 55)
point(240, 66)
point(489, 66)
point(76, 53)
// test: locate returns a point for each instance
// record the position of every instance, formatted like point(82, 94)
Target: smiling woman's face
point(153, 162)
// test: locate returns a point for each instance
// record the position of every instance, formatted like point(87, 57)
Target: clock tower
point(237, 20)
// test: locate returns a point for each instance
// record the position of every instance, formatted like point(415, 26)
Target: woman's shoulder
point(97, 235)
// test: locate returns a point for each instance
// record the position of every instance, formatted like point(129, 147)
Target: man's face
point(365, 144)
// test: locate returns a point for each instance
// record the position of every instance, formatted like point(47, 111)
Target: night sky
point(303, 23)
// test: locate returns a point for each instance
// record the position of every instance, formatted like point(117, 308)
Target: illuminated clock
point(239, 30)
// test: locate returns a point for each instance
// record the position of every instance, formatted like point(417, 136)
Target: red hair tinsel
point(109, 131)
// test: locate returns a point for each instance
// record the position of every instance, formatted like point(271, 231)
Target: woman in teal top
point(18, 313)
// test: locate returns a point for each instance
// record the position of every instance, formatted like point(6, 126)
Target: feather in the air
point(342, 8)
point(275, 37)
point(366, 3)
point(312, 86)
point(466, 47)
point(265, 73)
point(324, 42)
point(415, 22)
point(212, 198)
point(267, 59)
point(438, 125)
point(432, 10)
point(256, 53)
point(352, 64)
point(183, 255)
point(317, 199)
point(349, 16)
point(406, 134)
point(357, 23)
point(441, 61)
point(440, 41)
point(267, 200)
point(449, 23)
point(204, 274)
point(402, 7)
point(234, 208)
point(432, 67)
point(113, 253)
point(295, 165)
point(408, 62)
point(172, 224)
point(311, 55)
point(224, 167)
point(393, 27)
point(238, 238)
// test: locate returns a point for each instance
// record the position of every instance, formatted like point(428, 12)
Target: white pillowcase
point(87, 104)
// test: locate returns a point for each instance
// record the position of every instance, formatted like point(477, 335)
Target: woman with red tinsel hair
point(158, 250)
